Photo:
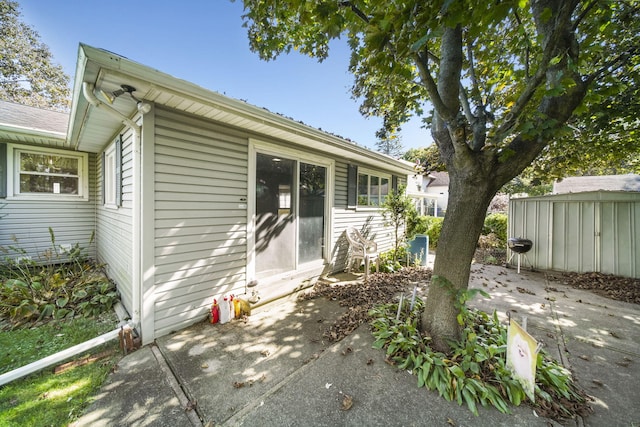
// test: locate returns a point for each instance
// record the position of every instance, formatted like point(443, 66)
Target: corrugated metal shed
point(580, 232)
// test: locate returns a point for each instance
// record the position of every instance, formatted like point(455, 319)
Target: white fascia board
point(26, 131)
point(163, 82)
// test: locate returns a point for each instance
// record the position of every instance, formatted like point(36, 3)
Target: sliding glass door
point(289, 214)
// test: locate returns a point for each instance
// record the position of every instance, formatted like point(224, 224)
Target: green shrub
point(417, 224)
point(389, 263)
point(31, 292)
point(496, 223)
point(434, 227)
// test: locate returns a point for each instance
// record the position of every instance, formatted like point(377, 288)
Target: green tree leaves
point(27, 73)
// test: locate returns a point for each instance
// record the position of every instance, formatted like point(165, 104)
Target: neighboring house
point(578, 184)
point(191, 194)
point(430, 192)
point(438, 190)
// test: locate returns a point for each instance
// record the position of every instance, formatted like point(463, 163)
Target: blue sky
point(204, 42)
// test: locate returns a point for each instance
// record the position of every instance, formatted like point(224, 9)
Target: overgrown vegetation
point(67, 284)
point(492, 244)
point(46, 306)
point(496, 223)
point(474, 372)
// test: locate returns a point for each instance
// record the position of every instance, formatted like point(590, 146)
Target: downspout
point(87, 90)
point(136, 291)
point(57, 357)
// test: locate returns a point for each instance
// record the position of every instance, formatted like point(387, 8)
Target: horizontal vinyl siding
point(114, 229)
point(200, 217)
point(368, 220)
point(24, 224)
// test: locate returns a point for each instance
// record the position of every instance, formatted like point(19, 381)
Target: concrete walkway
point(276, 369)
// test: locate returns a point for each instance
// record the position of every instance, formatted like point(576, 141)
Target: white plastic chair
point(361, 249)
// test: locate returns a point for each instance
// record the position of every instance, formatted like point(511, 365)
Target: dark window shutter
point(3, 170)
point(118, 182)
point(394, 183)
point(104, 177)
point(352, 186)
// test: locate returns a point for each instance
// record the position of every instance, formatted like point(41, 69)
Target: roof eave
point(158, 82)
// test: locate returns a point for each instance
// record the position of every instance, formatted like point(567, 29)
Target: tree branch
point(430, 84)
point(528, 48)
point(610, 66)
point(550, 49)
point(584, 13)
point(355, 10)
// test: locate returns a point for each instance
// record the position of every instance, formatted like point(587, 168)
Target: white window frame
point(263, 147)
point(369, 173)
point(13, 173)
point(109, 176)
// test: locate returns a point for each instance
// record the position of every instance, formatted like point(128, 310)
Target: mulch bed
point(361, 296)
point(381, 288)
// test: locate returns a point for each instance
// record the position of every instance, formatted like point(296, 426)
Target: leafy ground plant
point(65, 283)
point(474, 372)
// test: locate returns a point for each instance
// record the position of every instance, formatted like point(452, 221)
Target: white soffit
point(108, 71)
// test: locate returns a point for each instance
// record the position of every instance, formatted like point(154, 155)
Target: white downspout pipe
point(87, 90)
point(136, 292)
point(38, 365)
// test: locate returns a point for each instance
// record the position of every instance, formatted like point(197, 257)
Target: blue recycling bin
point(419, 250)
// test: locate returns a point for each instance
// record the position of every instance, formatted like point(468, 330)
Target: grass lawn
point(46, 398)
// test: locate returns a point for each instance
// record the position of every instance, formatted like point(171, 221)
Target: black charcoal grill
point(520, 247)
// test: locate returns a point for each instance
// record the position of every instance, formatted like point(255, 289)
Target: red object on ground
point(215, 312)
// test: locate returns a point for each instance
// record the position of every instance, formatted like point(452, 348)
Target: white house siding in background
point(200, 224)
point(113, 226)
point(581, 232)
point(25, 223)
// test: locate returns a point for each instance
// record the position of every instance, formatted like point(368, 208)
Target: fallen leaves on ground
point(607, 285)
point(249, 382)
point(347, 402)
point(360, 296)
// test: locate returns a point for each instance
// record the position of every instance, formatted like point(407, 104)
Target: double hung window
point(48, 173)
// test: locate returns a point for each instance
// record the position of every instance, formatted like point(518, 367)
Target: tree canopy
point(427, 159)
point(390, 144)
point(27, 73)
point(506, 82)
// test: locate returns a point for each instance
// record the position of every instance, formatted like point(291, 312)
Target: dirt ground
point(360, 296)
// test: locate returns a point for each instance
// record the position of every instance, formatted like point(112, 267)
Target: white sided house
point(192, 195)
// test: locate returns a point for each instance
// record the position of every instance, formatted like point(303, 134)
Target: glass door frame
point(255, 147)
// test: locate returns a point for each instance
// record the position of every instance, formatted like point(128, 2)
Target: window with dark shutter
point(118, 179)
point(3, 171)
point(112, 174)
point(352, 186)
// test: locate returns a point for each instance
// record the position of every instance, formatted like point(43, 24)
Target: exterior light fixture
point(143, 107)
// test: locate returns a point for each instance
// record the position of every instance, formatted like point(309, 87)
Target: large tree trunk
point(468, 203)
point(477, 171)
